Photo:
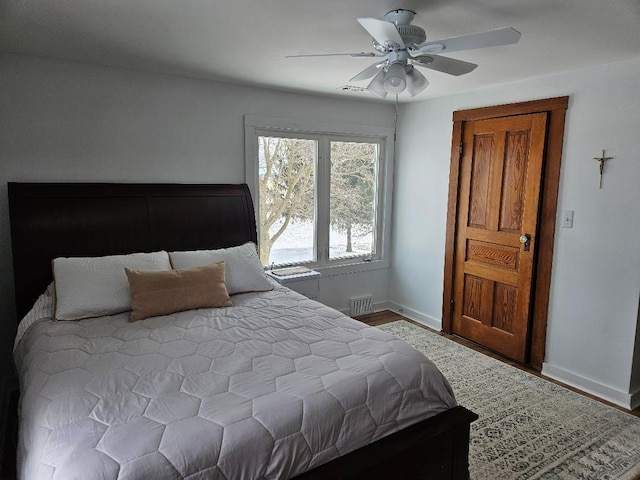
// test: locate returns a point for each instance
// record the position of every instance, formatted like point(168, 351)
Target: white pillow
point(243, 270)
point(96, 286)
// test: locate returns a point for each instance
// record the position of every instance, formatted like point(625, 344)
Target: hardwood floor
point(387, 316)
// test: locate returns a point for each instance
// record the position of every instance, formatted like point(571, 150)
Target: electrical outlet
point(567, 219)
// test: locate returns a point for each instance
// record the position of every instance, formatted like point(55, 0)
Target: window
point(286, 213)
point(322, 198)
point(352, 198)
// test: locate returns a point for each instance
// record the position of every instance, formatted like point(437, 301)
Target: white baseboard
point(407, 312)
point(617, 397)
point(425, 320)
point(381, 306)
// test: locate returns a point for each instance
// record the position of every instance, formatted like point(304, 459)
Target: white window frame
point(255, 126)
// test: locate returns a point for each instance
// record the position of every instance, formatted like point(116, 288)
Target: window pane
point(353, 199)
point(286, 174)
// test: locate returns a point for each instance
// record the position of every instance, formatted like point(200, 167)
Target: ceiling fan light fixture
point(416, 82)
point(395, 79)
point(376, 86)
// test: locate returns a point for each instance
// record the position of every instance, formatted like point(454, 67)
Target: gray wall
point(62, 121)
point(593, 310)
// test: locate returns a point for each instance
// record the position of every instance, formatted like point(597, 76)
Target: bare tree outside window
point(286, 184)
point(352, 201)
point(289, 197)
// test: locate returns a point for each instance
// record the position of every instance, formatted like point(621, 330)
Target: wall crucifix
point(601, 160)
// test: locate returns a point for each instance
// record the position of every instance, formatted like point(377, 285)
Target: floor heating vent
point(361, 305)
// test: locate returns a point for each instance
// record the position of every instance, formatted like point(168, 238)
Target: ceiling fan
point(405, 47)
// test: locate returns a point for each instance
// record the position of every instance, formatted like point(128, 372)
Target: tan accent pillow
point(162, 293)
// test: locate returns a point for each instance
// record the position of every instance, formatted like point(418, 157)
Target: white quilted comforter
point(268, 388)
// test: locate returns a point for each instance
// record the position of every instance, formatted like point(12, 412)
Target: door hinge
point(459, 153)
point(451, 303)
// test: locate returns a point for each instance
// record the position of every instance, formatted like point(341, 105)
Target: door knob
point(525, 239)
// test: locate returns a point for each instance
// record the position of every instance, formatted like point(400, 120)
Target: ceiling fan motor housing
point(411, 34)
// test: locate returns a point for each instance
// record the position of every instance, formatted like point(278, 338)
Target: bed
point(191, 414)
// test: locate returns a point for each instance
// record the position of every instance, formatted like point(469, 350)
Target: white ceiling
point(244, 41)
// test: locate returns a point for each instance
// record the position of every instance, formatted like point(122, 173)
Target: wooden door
point(499, 196)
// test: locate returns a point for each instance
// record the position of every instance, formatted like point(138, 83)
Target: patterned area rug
point(530, 428)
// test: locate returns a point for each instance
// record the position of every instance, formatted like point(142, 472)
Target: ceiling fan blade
point(383, 32)
point(368, 72)
point(490, 38)
point(416, 82)
point(444, 64)
point(377, 85)
point(352, 54)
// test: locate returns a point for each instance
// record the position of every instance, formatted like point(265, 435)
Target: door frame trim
point(556, 111)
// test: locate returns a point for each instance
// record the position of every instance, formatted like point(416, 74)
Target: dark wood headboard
point(50, 220)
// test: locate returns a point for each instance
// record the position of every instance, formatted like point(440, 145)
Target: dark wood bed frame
point(50, 220)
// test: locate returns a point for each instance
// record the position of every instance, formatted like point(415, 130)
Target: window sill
point(355, 267)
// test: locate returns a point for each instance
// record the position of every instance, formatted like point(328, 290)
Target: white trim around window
point(255, 126)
